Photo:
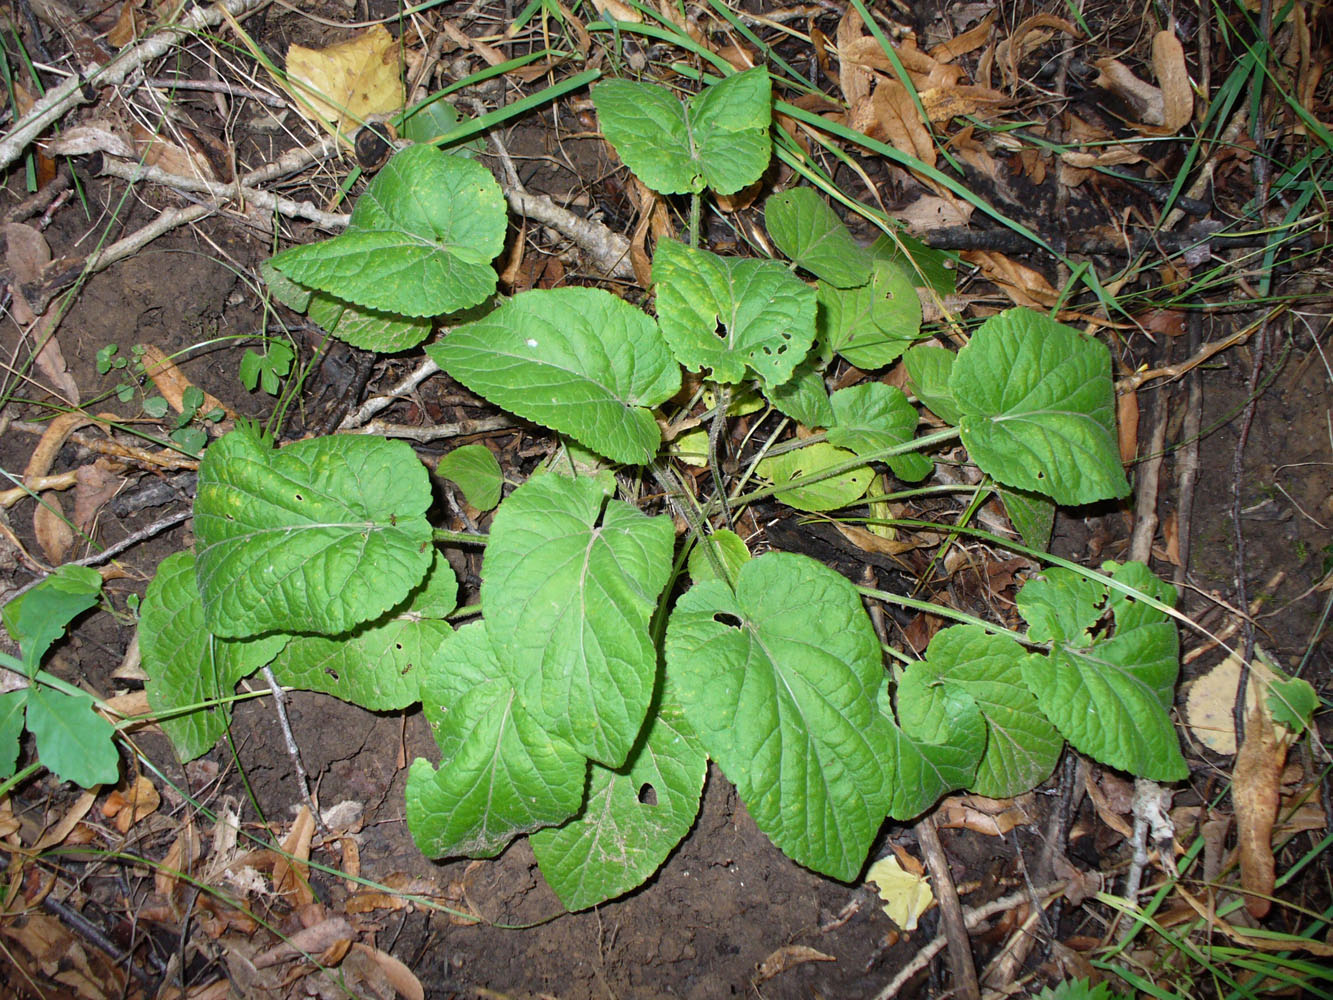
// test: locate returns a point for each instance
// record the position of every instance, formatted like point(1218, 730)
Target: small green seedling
point(583, 707)
point(73, 741)
point(266, 370)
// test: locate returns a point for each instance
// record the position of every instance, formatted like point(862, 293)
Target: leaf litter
point(955, 77)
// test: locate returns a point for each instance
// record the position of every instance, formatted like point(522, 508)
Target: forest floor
point(1128, 153)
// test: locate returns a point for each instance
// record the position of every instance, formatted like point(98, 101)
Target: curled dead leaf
point(1255, 784)
point(788, 957)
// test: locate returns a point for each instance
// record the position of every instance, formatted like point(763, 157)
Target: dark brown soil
point(726, 900)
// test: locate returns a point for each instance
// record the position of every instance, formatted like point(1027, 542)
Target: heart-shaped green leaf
point(420, 240)
point(318, 537)
point(577, 360)
point(934, 750)
point(804, 227)
point(1021, 744)
point(1109, 695)
point(1037, 408)
point(871, 324)
point(187, 664)
point(870, 417)
point(719, 141)
point(569, 582)
point(501, 774)
point(779, 680)
point(632, 819)
point(377, 665)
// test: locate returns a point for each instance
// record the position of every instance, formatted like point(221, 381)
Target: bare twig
point(608, 250)
point(293, 751)
point(432, 432)
point(136, 172)
point(962, 967)
point(972, 918)
point(82, 90)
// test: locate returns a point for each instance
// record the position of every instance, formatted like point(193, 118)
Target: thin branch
point(83, 90)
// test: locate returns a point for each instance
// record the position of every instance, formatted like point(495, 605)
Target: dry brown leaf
point(72, 818)
point(994, 817)
point(1210, 699)
point(618, 11)
point(50, 360)
point(51, 526)
point(871, 542)
point(1127, 423)
point(26, 254)
point(180, 858)
point(1021, 283)
point(95, 484)
point(1255, 783)
point(399, 975)
point(42, 937)
point(308, 941)
point(291, 874)
point(181, 154)
point(855, 81)
point(945, 103)
point(1143, 98)
point(91, 137)
point(129, 25)
point(343, 84)
point(890, 115)
point(171, 382)
point(788, 957)
point(1026, 39)
point(127, 807)
point(1168, 62)
point(1112, 156)
point(969, 41)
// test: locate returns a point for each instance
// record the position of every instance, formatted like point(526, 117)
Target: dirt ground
point(728, 914)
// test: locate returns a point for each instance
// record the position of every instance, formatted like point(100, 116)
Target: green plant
point(583, 706)
point(73, 741)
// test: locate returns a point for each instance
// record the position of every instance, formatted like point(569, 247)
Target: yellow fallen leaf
point(1212, 697)
point(906, 896)
point(345, 83)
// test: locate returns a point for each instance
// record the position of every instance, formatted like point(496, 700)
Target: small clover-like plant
point(582, 708)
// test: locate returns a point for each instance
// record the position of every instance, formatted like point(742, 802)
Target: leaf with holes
point(377, 665)
point(577, 360)
point(788, 471)
point(317, 537)
point(730, 315)
point(501, 774)
point(569, 582)
point(870, 417)
point(1021, 744)
point(1038, 411)
point(871, 324)
point(1109, 694)
point(719, 140)
point(420, 241)
point(804, 227)
point(632, 819)
point(779, 680)
point(188, 667)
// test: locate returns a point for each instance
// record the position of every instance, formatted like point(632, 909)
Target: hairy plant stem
point(716, 432)
point(693, 517)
